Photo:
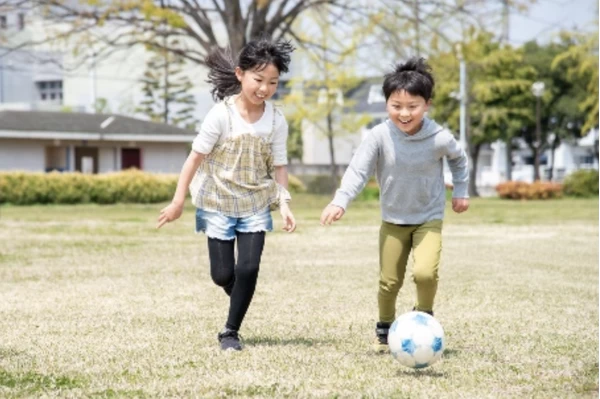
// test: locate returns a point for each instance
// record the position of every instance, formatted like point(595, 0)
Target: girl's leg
point(250, 247)
point(427, 250)
point(222, 263)
point(394, 248)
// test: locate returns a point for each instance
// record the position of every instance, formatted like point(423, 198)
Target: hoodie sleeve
point(458, 163)
point(359, 171)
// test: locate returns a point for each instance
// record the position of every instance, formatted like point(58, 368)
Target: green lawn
point(95, 302)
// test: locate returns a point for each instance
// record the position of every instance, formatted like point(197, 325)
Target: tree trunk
point(596, 152)
point(473, 170)
point(538, 141)
point(555, 144)
point(509, 159)
point(334, 175)
point(536, 163)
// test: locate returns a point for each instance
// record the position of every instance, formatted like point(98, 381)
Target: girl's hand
point(460, 205)
point(169, 213)
point(331, 213)
point(289, 223)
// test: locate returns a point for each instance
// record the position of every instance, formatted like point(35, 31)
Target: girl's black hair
point(414, 76)
point(258, 53)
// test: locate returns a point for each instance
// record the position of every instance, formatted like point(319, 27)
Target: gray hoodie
point(409, 172)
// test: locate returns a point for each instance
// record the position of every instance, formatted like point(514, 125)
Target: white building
point(39, 141)
point(52, 77)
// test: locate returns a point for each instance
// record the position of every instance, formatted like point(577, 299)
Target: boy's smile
point(406, 111)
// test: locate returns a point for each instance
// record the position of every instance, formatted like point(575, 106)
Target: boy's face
point(258, 84)
point(407, 111)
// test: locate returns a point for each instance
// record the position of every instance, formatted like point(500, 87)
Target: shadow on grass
point(270, 341)
point(420, 373)
point(450, 353)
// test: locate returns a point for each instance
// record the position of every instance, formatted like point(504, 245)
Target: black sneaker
point(381, 340)
point(230, 340)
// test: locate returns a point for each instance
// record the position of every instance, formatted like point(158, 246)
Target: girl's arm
point(173, 211)
point(281, 177)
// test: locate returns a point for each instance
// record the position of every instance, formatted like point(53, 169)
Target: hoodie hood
point(429, 128)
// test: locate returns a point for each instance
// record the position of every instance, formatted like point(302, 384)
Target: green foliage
point(167, 90)
point(319, 184)
point(498, 89)
point(295, 185)
point(560, 112)
point(582, 183)
point(130, 186)
point(320, 97)
point(294, 142)
point(580, 59)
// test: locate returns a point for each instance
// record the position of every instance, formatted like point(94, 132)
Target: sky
point(548, 17)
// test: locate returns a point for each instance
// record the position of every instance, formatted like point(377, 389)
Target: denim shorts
point(217, 225)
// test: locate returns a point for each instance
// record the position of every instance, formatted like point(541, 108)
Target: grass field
point(96, 303)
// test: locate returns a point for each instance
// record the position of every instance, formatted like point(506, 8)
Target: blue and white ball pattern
point(416, 340)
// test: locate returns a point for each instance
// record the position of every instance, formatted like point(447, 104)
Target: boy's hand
point(169, 213)
point(460, 205)
point(289, 223)
point(331, 213)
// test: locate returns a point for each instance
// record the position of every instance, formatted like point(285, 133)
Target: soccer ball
point(416, 340)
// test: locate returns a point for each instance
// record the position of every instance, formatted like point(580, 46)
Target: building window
point(3, 22)
point(375, 95)
point(21, 21)
point(51, 91)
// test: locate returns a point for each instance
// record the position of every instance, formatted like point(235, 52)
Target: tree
point(581, 62)
point(198, 25)
point(322, 99)
point(497, 92)
point(407, 28)
point(560, 116)
point(167, 91)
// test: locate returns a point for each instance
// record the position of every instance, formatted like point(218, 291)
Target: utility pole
point(504, 40)
point(463, 99)
point(93, 83)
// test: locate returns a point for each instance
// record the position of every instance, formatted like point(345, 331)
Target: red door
point(131, 158)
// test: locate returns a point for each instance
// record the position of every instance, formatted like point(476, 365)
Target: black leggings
point(238, 281)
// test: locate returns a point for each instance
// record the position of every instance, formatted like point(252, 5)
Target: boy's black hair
point(414, 76)
point(256, 54)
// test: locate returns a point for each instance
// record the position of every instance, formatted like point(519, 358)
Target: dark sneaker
point(230, 340)
point(381, 339)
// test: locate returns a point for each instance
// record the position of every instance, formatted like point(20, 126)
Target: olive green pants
point(395, 244)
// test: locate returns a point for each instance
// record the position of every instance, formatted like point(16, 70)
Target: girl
point(406, 151)
point(237, 173)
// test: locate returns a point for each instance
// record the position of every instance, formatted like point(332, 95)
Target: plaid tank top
point(236, 178)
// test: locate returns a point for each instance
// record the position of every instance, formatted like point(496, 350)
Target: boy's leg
point(394, 248)
point(427, 249)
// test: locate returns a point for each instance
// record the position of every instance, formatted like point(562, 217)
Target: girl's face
point(407, 111)
point(258, 84)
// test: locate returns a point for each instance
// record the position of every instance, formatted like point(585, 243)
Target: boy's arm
point(459, 167)
point(358, 172)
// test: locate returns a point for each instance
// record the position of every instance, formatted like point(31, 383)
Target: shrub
point(22, 188)
point(130, 186)
point(321, 184)
point(529, 191)
point(582, 183)
point(295, 185)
